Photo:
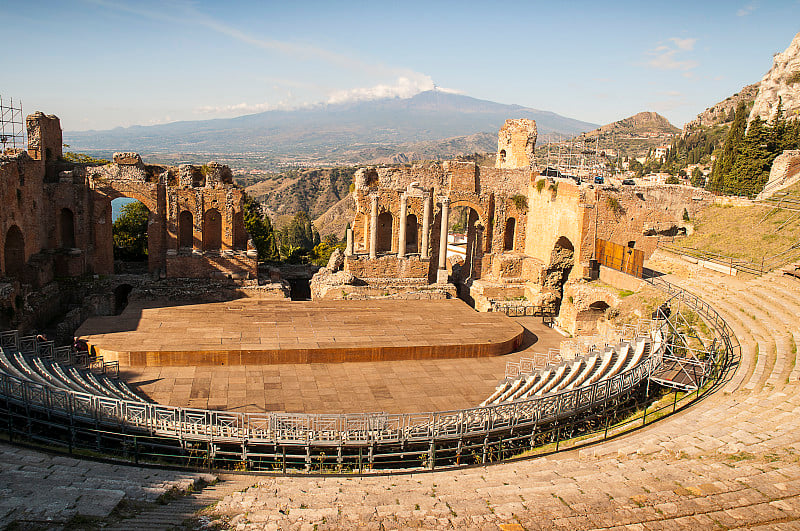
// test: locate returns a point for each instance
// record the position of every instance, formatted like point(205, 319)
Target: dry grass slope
point(748, 233)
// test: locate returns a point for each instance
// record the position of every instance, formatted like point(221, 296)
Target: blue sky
point(99, 64)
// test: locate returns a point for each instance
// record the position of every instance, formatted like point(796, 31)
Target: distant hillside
point(642, 123)
point(444, 149)
point(335, 219)
point(722, 112)
point(312, 191)
point(337, 134)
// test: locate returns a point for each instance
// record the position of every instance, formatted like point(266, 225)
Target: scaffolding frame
point(12, 125)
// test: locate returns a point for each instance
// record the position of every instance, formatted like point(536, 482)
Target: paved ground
point(409, 386)
point(251, 331)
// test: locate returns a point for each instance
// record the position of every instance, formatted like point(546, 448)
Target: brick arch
point(112, 192)
point(476, 206)
point(212, 230)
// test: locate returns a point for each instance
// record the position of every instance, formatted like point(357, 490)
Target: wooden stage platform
point(259, 332)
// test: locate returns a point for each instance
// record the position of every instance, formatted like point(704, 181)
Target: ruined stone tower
point(515, 144)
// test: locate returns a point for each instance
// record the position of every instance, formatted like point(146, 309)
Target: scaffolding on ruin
point(12, 125)
point(579, 156)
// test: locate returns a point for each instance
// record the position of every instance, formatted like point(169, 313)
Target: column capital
point(443, 199)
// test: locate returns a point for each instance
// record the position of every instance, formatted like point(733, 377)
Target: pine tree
point(259, 227)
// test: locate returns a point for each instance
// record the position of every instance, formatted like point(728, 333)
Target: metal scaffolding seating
point(51, 373)
point(587, 369)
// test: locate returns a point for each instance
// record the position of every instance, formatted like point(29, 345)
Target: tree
point(323, 251)
point(259, 227)
point(672, 179)
point(697, 179)
point(129, 232)
point(300, 233)
point(726, 157)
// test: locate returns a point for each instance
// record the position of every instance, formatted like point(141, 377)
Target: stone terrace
point(731, 461)
point(40, 490)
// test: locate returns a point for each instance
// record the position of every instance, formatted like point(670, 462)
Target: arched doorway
point(239, 231)
point(586, 320)
point(121, 293)
point(212, 230)
point(129, 232)
point(185, 230)
point(66, 223)
point(384, 232)
point(509, 234)
point(465, 243)
point(412, 246)
point(14, 252)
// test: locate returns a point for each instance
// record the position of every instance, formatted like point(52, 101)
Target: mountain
point(312, 191)
point(780, 85)
point(319, 134)
point(722, 112)
point(639, 124)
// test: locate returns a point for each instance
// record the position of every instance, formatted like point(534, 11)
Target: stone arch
point(509, 234)
point(474, 205)
point(412, 242)
point(66, 226)
point(14, 252)
point(384, 232)
point(586, 320)
point(564, 243)
point(239, 231)
point(185, 230)
point(212, 230)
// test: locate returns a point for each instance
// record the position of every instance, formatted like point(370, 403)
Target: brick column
point(373, 228)
point(426, 225)
point(401, 235)
point(443, 233)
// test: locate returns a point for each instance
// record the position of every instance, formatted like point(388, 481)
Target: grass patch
point(747, 233)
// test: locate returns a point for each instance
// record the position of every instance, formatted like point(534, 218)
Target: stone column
point(426, 225)
point(348, 251)
point(443, 233)
point(373, 228)
point(401, 235)
point(365, 242)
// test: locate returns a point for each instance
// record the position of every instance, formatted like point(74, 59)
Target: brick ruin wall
point(63, 213)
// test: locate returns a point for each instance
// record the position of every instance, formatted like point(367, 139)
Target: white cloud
point(747, 9)
point(403, 87)
point(684, 44)
point(671, 56)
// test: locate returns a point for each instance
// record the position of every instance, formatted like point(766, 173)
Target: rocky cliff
point(722, 112)
point(781, 83)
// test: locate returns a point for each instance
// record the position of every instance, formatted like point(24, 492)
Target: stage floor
point(259, 332)
point(409, 386)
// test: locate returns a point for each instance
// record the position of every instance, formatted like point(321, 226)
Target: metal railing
point(430, 438)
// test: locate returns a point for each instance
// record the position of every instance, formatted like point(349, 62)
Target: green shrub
point(615, 206)
point(520, 202)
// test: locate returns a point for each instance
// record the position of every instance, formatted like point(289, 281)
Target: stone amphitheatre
point(208, 398)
